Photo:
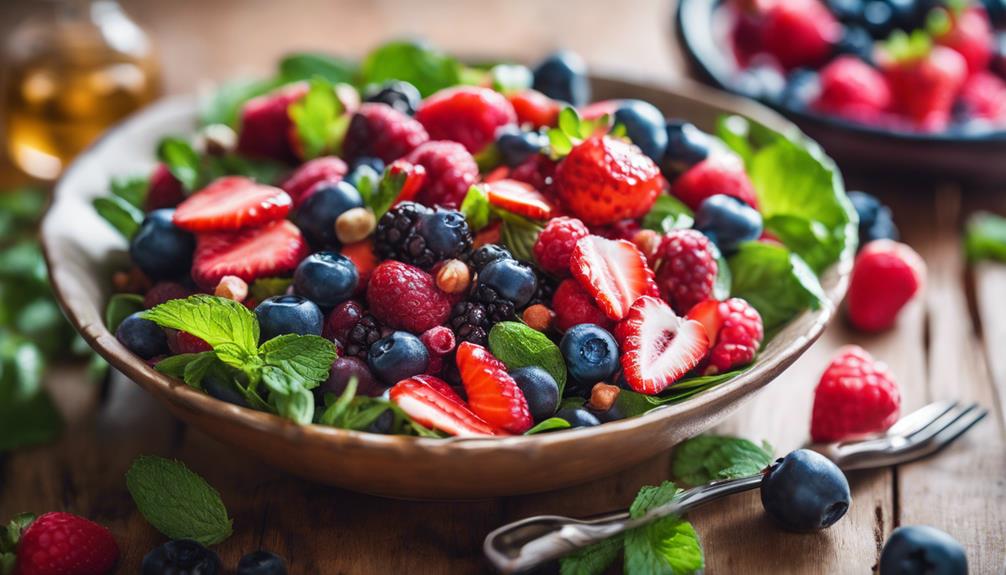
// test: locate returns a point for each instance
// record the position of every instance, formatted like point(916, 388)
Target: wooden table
point(951, 343)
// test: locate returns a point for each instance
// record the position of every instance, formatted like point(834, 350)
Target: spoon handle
point(521, 545)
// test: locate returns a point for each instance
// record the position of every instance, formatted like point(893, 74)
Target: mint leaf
point(519, 234)
point(120, 214)
point(294, 361)
point(550, 424)
point(306, 65)
point(120, 306)
point(710, 457)
point(316, 119)
point(182, 161)
point(417, 63)
point(985, 237)
point(775, 282)
point(668, 213)
point(476, 208)
point(264, 288)
point(224, 104)
point(669, 545)
point(189, 367)
point(226, 325)
point(389, 188)
point(593, 560)
point(334, 412)
point(133, 189)
point(176, 501)
point(518, 345)
point(297, 405)
point(507, 78)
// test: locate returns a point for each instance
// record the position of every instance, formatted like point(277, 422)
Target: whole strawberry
point(852, 89)
point(555, 244)
point(604, 180)
point(721, 173)
point(735, 333)
point(469, 115)
point(450, 171)
point(969, 33)
point(380, 131)
point(405, 297)
point(799, 32)
point(924, 84)
point(686, 269)
point(856, 396)
point(65, 544)
point(266, 125)
point(885, 276)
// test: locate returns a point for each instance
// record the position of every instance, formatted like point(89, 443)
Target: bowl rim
point(699, 48)
point(71, 297)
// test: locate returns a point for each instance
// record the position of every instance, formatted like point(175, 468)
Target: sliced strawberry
point(412, 177)
point(519, 198)
point(231, 203)
point(708, 314)
point(497, 174)
point(424, 398)
point(487, 235)
point(614, 272)
point(492, 393)
point(534, 108)
point(272, 250)
point(658, 347)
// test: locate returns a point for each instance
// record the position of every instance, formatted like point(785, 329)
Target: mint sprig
point(176, 501)
point(476, 209)
point(518, 345)
point(319, 120)
point(572, 129)
point(711, 457)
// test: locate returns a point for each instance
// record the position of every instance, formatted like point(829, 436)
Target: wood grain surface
point(949, 344)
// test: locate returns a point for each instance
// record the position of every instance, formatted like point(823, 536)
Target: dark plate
point(978, 157)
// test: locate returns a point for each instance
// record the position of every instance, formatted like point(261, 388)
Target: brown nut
point(354, 225)
point(539, 317)
point(648, 242)
point(603, 396)
point(217, 140)
point(453, 277)
point(232, 287)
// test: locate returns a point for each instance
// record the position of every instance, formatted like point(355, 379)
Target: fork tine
point(921, 418)
point(936, 437)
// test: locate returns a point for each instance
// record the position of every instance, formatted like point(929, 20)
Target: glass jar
point(73, 69)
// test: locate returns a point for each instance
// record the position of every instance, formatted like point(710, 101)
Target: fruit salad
point(905, 65)
point(414, 246)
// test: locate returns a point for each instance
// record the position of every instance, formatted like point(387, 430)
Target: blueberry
point(540, 390)
point(563, 76)
point(762, 82)
point(997, 11)
point(142, 336)
point(316, 216)
point(363, 172)
point(445, 232)
point(802, 87)
point(383, 423)
point(591, 354)
point(223, 389)
point(181, 557)
point(875, 220)
point(160, 249)
point(342, 370)
point(326, 278)
point(613, 413)
point(846, 10)
point(645, 126)
point(376, 164)
point(261, 562)
point(998, 64)
point(285, 314)
point(878, 18)
point(686, 146)
point(398, 356)
point(487, 253)
point(511, 280)
point(578, 417)
point(922, 549)
point(516, 146)
point(856, 41)
point(728, 222)
point(398, 94)
point(805, 491)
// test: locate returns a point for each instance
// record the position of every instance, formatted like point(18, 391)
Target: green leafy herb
point(775, 281)
point(593, 560)
point(305, 66)
point(573, 129)
point(668, 213)
point(669, 545)
point(227, 326)
point(389, 188)
point(319, 119)
point(176, 501)
point(133, 189)
point(182, 161)
point(710, 457)
point(27, 414)
point(517, 345)
point(260, 170)
point(985, 237)
point(9, 537)
point(721, 288)
point(423, 66)
point(349, 411)
point(120, 306)
point(189, 367)
point(264, 288)
point(550, 424)
point(476, 208)
point(632, 403)
point(519, 234)
point(225, 102)
point(120, 214)
point(507, 78)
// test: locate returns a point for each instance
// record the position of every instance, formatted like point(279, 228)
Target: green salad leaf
point(668, 213)
point(776, 281)
point(550, 424)
point(423, 66)
point(120, 214)
point(985, 237)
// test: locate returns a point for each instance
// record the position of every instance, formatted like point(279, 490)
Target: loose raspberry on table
point(556, 242)
point(857, 396)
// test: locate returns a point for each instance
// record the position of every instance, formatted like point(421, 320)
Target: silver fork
point(524, 544)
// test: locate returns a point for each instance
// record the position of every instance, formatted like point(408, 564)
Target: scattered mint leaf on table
point(593, 560)
point(425, 67)
point(710, 457)
point(669, 545)
point(476, 208)
point(518, 345)
point(775, 281)
point(550, 424)
point(176, 501)
point(985, 237)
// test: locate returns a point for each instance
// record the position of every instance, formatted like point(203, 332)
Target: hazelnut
point(648, 242)
point(603, 396)
point(217, 140)
point(453, 277)
point(539, 317)
point(232, 287)
point(354, 225)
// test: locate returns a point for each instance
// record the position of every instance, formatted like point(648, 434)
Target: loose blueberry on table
point(477, 259)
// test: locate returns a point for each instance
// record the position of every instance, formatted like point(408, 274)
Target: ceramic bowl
point(82, 251)
point(969, 157)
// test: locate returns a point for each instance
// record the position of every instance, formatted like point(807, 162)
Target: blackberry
point(546, 289)
point(470, 322)
point(497, 307)
point(362, 336)
point(487, 253)
point(417, 235)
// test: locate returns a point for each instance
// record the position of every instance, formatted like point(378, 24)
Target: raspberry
point(306, 177)
point(164, 191)
point(450, 171)
point(383, 132)
point(686, 269)
point(405, 297)
point(161, 292)
point(555, 244)
point(469, 115)
point(885, 277)
point(439, 341)
point(856, 396)
point(573, 305)
point(620, 230)
point(63, 543)
point(739, 337)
